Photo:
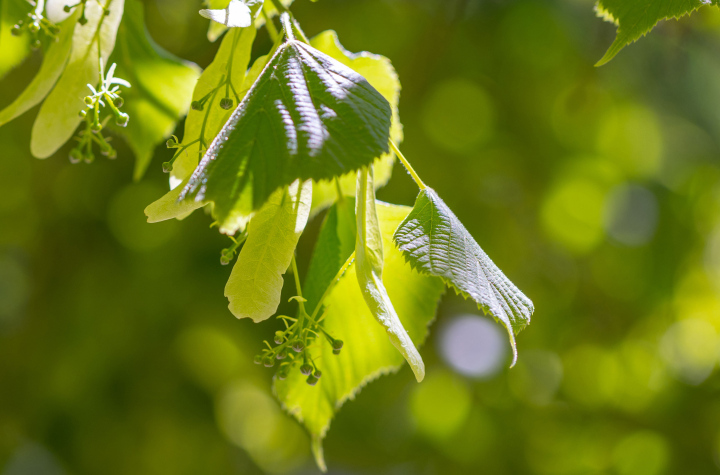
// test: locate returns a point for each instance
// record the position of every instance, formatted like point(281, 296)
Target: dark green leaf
point(306, 117)
point(435, 242)
point(635, 18)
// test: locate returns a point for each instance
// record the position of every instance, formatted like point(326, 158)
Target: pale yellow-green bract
point(256, 280)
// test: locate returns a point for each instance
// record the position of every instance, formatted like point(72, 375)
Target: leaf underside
point(367, 353)
point(635, 18)
point(434, 241)
point(306, 117)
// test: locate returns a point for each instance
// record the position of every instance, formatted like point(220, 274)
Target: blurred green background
point(596, 190)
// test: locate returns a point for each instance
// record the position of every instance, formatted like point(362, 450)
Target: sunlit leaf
point(307, 116)
point(161, 90)
point(369, 268)
point(380, 73)
point(58, 117)
point(635, 18)
point(169, 207)
point(256, 280)
point(435, 242)
point(217, 29)
point(367, 352)
point(52, 67)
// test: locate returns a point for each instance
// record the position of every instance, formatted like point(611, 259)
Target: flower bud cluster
point(36, 25)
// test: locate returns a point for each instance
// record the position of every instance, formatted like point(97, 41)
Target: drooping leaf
point(58, 117)
point(52, 67)
point(635, 18)
point(256, 280)
point(380, 73)
point(14, 48)
point(161, 90)
point(307, 116)
point(367, 353)
point(201, 126)
point(435, 242)
point(369, 262)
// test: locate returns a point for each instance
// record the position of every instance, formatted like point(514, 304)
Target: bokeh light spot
point(209, 354)
point(641, 453)
point(536, 377)
point(690, 348)
point(440, 405)
point(473, 346)
point(631, 215)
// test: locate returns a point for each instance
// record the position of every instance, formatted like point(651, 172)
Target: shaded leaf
point(256, 280)
point(367, 352)
point(58, 117)
point(369, 262)
point(52, 67)
point(161, 90)
point(635, 18)
point(307, 116)
point(434, 241)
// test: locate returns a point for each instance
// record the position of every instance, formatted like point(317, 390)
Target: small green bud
point(89, 100)
point(111, 154)
point(312, 380)
point(298, 345)
point(107, 12)
point(118, 102)
point(282, 355)
point(258, 359)
point(35, 44)
point(283, 373)
point(268, 361)
point(67, 8)
point(122, 119)
point(196, 106)
point(279, 337)
point(172, 142)
point(306, 369)
point(337, 346)
point(317, 373)
point(82, 20)
point(82, 113)
point(226, 103)
point(16, 30)
point(76, 156)
point(34, 27)
point(167, 167)
point(96, 127)
point(54, 29)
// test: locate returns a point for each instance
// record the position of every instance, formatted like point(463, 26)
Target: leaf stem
point(332, 285)
point(203, 144)
point(298, 289)
point(407, 166)
point(270, 27)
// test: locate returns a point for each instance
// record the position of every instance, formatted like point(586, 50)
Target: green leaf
point(307, 116)
point(58, 117)
point(52, 67)
point(256, 280)
point(15, 49)
point(202, 126)
point(380, 73)
point(635, 18)
point(435, 242)
point(369, 262)
point(367, 353)
point(162, 86)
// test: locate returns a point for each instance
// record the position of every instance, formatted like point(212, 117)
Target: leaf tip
point(317, 451)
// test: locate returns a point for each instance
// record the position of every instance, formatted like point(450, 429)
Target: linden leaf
point(58, 117)
point(435, 242)
point(162, 86)
point(635, 18)
point(306, 117)
point(367, 353)
point(256, 280)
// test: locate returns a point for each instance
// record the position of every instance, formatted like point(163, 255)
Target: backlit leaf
point(367, 353)
point(307, 116)
point(435, 242)
point(256, 280)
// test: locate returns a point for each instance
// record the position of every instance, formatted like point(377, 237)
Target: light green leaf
point(635, 18)
point(216, 29)
point(14, 48)
point(162, 86)
point(369, 267)
point(367, 353)
point(256, 280)
point(201, 127)
point(169, 207)
point(58, 117)
point(435, 242)
point(307, 116)
point(52, 67)
point(380, 73)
